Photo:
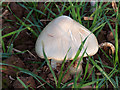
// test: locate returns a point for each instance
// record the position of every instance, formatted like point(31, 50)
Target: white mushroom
point(60, 35)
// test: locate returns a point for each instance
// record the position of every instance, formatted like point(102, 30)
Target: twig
point(88, 18)
point(41, 85)
point(16, 50)
point(31, 54)
point(70, 84)
point(108, 44)
point(44, 20)
point(11, 78)
point(5, 12)
point(114, 5)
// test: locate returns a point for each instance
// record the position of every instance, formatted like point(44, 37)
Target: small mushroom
point(62, 34)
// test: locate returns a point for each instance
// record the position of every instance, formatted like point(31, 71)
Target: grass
point(102, 17)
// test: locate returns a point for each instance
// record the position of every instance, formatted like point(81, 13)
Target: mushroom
point(62, 34)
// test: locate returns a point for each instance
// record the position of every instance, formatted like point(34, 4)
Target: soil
point(26, 41)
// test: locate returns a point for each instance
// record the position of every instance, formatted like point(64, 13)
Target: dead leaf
point(27, 81)
point(13, 60)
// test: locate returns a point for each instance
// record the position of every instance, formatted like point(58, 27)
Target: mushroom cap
point(62, 34)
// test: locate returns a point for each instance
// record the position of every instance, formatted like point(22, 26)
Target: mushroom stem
point(54, 63)
point(73, 69)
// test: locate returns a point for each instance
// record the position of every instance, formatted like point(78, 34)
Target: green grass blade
point(57, 7)
point(29, 73)
point(116, 38)
point(73, 13)
point(101, 62)
point(78, 76)
point(5, 55)
point(12, 33)
point(86, 69)
point(101, 83)
point(77, 54)
point(97, 13)
point(91, 72)
point(88, 84)
point(63, 7)
point(109, 25)
point(3, 45)
point(23, 23)
point(50, 66)
point(98, 27)
point(60, 78)
point(50, 11)
point(66, 85)
point(37, 11)
point(23, 5)
point(107, 56)
point(101, 70)
point(10, 48)
point(117, 81)
point(23, 84)
point(78, 14)
point(67, 8)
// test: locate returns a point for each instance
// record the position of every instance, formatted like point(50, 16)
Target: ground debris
point(13, 60)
